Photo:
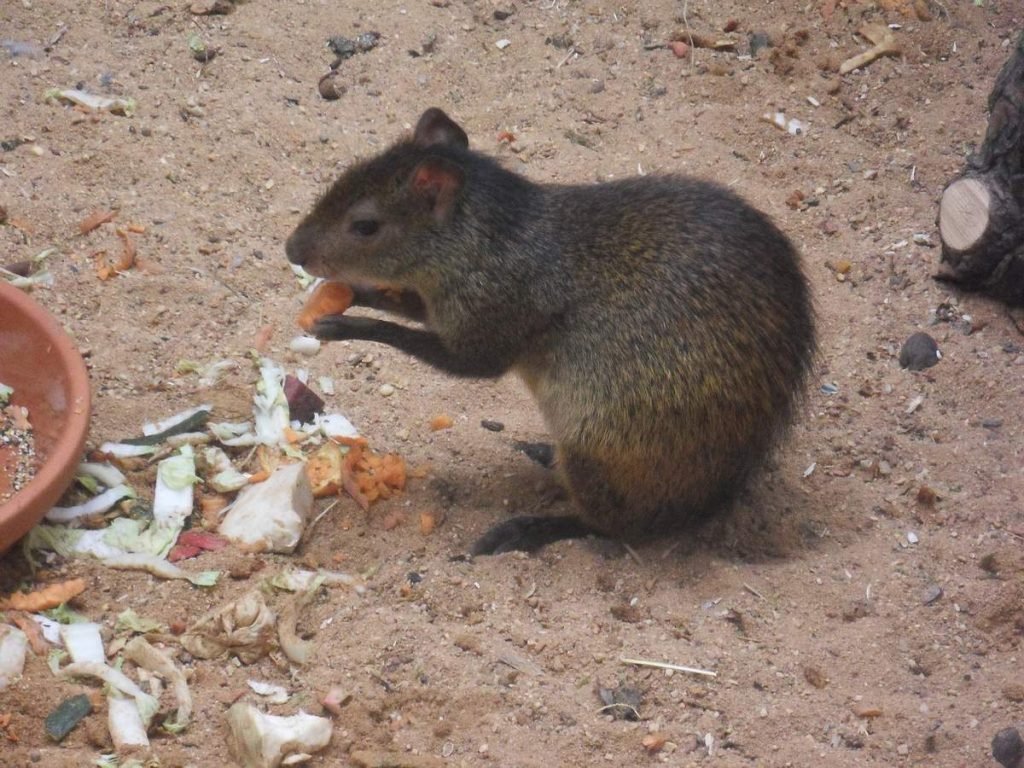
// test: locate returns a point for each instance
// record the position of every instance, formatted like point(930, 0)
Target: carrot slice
point(327, 299)
point(94, 220)
point(49, 596)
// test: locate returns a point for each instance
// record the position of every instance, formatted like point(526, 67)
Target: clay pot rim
point(28, 506)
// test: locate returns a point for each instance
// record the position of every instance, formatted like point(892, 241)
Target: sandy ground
point(852, 618)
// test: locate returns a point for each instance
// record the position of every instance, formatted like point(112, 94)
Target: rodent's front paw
point(340, 327)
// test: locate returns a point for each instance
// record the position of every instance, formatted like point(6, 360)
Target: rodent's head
point(365, 228)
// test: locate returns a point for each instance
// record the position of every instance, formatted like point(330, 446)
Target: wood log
point(980, 214)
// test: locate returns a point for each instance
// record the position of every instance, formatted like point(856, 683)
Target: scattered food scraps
point(192, 543)
point(105, 269)
point(303, 402)
point(124, 721)
point(140, 652)
point(200, 51)
point(297, 650)
point(791, 126)
point(43, 599)
point(270, 516)
point(91, 102)
point(885, 44)
point(258, 740)
point(442, 421)
point(13, 648)
point(325, 469)
point(95, 220)
point(242, 628)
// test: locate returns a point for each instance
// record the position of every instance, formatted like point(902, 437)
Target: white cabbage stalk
point(49, 628)
point(83, 642)
point(119, 681)
point(222, 475)
point(270, 406)
point(127, 451)
point(108, 475)
point(125, 723)
point(226, 430)
point(94, 506)
point(172, 500)
point(305, 580)
point(140, 561)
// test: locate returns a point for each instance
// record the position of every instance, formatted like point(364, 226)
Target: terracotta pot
point(43, 365)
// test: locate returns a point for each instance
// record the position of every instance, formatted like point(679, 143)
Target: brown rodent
point(663, 324)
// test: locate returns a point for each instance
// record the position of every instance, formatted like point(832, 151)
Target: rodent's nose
point(297, 247)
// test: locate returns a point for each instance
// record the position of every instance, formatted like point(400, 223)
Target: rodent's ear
point(437, 182)
point(435, 127)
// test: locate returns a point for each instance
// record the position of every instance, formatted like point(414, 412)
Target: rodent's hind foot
point(528, 534)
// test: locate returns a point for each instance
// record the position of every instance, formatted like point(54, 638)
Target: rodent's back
point(686, 344)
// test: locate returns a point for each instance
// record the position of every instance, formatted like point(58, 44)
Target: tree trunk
point(980, 216)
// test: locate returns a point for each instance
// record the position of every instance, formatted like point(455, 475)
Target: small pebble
point(992, 423)
point(920, 351)
point(680, 49)
point(329, 87)
point(503, 44)
point(932, 594)
point(912, 537)
point(758, 40)
point(386, 390)
point(1008, 748)
point(493, 426)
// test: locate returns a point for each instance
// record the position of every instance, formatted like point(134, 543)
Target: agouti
point(662, 323)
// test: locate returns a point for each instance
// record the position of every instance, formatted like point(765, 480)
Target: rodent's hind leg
point(528, 534)
point(588, 481)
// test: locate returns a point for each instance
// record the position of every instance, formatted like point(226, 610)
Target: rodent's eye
point(365, 227)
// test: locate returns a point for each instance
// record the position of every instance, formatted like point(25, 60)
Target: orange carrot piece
point(43, 599)
point(328, 298)
point(94, 220)
point(444, 421)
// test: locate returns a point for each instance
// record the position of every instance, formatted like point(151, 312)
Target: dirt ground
point(864, 605)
